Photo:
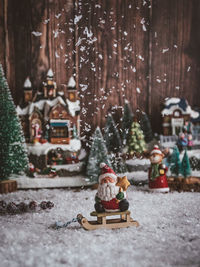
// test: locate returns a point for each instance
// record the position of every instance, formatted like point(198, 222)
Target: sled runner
point(124, 221)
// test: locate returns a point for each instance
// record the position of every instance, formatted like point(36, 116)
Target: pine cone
point(3, 207)
point(50, 204)
point(12, 208)
point(3, 204)
point(33, 205)
point(43, 205)
point(23, 207)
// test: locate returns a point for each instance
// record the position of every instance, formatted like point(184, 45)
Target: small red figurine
point(110, 196)
point(157, 172)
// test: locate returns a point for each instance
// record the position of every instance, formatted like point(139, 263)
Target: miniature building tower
point(73, 104)
point(28, 92)
point(71, 90)
point(50, 86)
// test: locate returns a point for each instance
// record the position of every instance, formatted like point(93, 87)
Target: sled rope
point(59, 225)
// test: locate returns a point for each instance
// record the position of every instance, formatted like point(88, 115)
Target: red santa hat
point(106, 171)
point(156, 150)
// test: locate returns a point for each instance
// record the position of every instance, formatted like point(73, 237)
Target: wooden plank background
point(139, 50)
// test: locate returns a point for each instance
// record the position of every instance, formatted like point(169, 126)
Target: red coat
point(113, 204)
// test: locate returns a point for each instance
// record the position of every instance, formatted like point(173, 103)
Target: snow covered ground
point(168, 235)
point(25, 182)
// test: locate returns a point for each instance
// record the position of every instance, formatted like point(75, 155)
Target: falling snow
point(138, 90)
point(158, 80)
point(77, 19)
point(37, 34)
point(83, 87)
point(58, 16)
point(165, 50)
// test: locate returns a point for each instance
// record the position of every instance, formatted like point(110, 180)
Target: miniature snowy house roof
point(71, 83)
point(22, 111)
point(46, 104)
point(50, 73)
point(43, 149)
point(73, 107)
point(27, 83)
point(171, 104)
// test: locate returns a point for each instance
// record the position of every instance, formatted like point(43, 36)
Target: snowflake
point(36, 33)
point(77, 18)
point(165, 50)
point(138, 90)
point(58, 16)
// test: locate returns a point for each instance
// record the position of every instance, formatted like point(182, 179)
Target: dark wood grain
point(2, 34)
point(117, 49)
point(174, 26)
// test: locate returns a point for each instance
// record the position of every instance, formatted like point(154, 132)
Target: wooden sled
point(124, 221)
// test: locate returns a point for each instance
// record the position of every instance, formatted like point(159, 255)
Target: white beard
point(107, 191)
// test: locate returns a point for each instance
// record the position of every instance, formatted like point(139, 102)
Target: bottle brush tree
point(146, 127)
point(185, 165)
point(126, 122)
point(98, 154)
point(13, 152)
point(114, 145)
point(118, 163)
point(175, 163)
point(136, 142)
point(111, 136)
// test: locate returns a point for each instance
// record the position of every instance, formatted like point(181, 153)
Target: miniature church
point(50, 116)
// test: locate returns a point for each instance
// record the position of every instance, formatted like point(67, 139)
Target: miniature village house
point(176, 113)
point(51, 118)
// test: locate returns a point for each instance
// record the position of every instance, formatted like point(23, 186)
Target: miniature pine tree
point(185, 165)
point(146, 127)
point(13, 152)
point(136, 142)
point(126, 122)
point(98, 154)
point(118, 163)
point(175, 162)
point(111, 136)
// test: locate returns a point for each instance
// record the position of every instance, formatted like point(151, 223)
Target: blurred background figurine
point(157, 172)
point(187, 128)
point(190, 141)
point(182, 142)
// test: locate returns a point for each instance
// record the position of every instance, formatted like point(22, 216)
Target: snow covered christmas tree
point(136, 142)
point(111, 136)
point(126, 122)
point(98, 154)
point(114, 145)
point(146, 127)
point(185, 165)
point(175, 162)
point(13, 152)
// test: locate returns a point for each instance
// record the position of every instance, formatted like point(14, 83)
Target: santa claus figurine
point(157, 172)
point(110, 197)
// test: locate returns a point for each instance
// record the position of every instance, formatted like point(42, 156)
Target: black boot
point(99, 208)
point(123, 205)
